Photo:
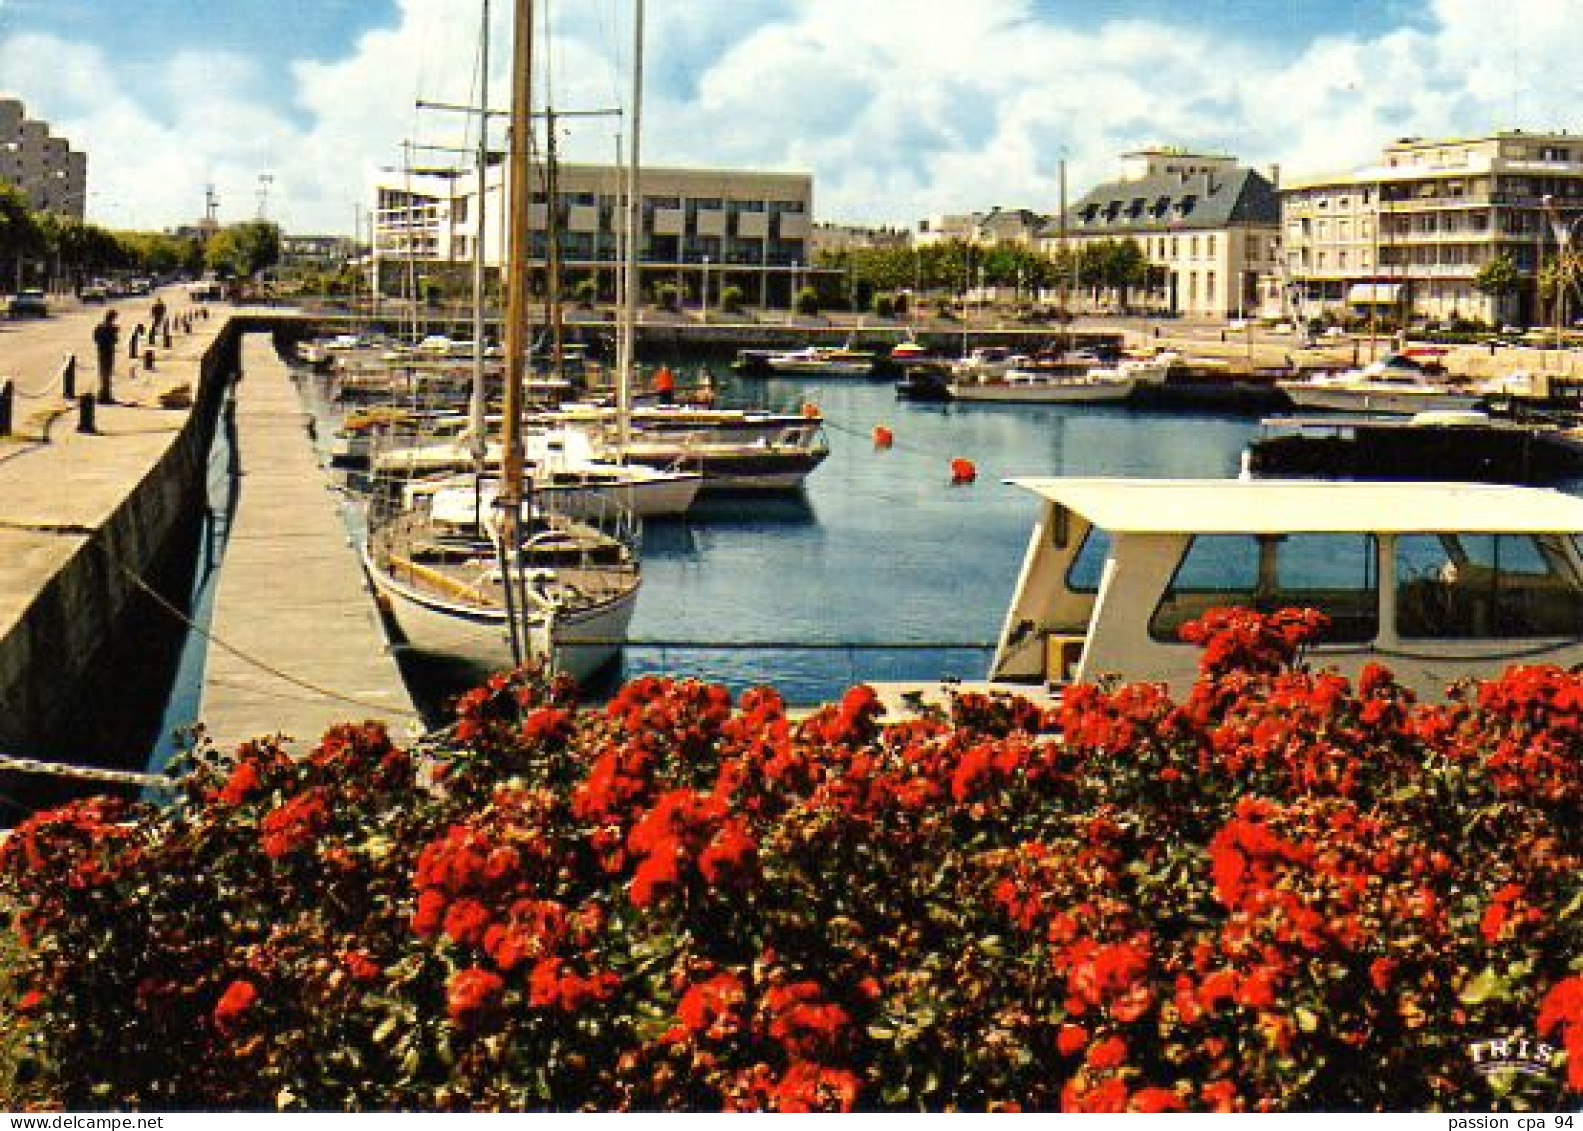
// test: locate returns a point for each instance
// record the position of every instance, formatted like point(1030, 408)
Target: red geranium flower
point(1109, 1053)
point(472, 995)
point(233, 1005)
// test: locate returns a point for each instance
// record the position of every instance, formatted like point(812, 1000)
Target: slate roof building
point(1210, 224)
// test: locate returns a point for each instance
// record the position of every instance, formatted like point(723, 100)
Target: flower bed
point(1285, 893)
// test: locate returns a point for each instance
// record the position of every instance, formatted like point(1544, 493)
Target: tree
point(1498, 278)
point(244, 249)
point(808, 301)
point(20, 234)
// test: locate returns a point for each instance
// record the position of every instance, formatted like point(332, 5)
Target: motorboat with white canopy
point(1436, 581)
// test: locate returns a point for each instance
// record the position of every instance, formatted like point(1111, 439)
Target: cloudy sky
point(899, 108)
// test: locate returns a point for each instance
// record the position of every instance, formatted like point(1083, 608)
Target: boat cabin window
point(1088, 564)
point(1333, 573)
point(1486, 586)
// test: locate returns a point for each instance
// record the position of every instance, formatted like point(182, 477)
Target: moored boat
point(1468, 446)
point(1436, 581)
point(1395, 384)
point(821, 361)
point(1031, 386)
point(567, 591)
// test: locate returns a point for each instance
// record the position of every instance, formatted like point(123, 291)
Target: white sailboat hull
point(585, 640)
point(671, 497)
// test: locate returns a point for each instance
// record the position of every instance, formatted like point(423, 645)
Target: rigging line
point(270, 669)
point(898, 445)
point(86, 773)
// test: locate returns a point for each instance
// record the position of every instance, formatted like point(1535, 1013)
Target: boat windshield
point(1333, 573)
point(1487, 586)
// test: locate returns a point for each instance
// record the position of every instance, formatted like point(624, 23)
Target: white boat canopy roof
point(1263, 506)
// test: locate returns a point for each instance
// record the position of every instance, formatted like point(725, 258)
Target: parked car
point(94, 292)
point(28, 304)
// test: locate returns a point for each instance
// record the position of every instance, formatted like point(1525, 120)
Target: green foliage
point(885, 305)
point(808, 301)
point(18, 1075)
point(667, 297)
point(1498, 278)
point(731, 299)
point(243, 250)
point(586, 293)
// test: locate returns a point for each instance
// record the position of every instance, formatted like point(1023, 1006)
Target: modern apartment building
point(48, 172)
point(1408, 236)
point(1207, 223)
point(701, 228)
point(324, 253)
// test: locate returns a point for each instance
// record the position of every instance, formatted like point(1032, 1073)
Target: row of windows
point(1448, 586)
point(1161, 248)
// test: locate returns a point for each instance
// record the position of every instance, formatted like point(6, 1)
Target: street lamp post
point(705, 314)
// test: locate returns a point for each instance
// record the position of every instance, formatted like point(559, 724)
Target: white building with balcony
point(1408, 237)
point(700, 228)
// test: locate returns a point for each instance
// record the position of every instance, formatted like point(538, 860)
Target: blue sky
point(900, 109)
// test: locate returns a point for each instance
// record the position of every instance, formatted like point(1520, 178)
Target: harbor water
point(881, 569)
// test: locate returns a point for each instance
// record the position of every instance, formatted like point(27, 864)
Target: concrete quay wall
point(84, 518)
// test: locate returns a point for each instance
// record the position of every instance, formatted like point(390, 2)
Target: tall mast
point(634, 242)
point(1071, 265)
point(552, 232)
point(517, 267)
point(476, 407)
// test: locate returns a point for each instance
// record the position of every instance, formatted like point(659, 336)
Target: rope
point(247, 658)
point(801, 645)
point(895, 445)
point(22, 394)
point(86, 773)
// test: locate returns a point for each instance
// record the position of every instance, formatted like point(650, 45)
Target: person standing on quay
point(105, 337)
point(156, 317)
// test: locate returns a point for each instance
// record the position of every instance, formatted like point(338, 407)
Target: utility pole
point(264, 181)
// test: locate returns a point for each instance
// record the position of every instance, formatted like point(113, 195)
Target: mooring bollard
point(85, 413)
point(7, 399)
point(166, 335)
point(68, 377)
point(137, 336)
point(148, 359)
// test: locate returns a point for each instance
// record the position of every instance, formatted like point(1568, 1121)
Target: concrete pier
point(296, 643)
point(84, 516)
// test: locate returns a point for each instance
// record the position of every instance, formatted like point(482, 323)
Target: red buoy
point(963, 472)
point(883, 437)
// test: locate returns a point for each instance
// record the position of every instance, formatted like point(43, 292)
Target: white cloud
point(898, 109)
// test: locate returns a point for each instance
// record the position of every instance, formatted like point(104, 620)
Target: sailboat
point(496, 569)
